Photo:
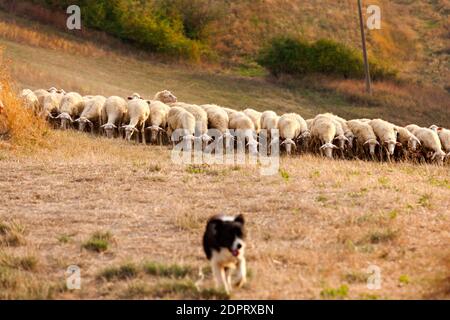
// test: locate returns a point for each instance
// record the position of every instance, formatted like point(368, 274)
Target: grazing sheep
point(365, 136)
point(387, 136)
point(30, 100)
point(72, 105)
point(138, 113)
point(166, 97)
point(309, 123)
point(218, 119)
point(340, 132)
point(181, 119)
point(323, 131)
point(347, 131)
point(40, 94)
point(244, 130)
point(444, 136)
point(229, 111)
point(115, 111)
point(431, 143)
point(52, 103)
point(92, 113)
point(269, 122)
point(157, 120)
point(255, 116)
point(201, 119)
point(289, 129)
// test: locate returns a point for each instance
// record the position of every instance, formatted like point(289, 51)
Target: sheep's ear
point(439, 129)
point(240, 219)
point(129, 98)
point(148, 102)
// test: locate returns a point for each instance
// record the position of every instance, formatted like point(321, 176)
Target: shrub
point(287, 55)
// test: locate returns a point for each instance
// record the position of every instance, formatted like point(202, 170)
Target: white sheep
point(181, 119)
point(92, 113)
point(309, 123)
point(157, 120)
point(218, 119)
point(289, 130)
point(201, 119)
point(387, 136)
point(444, 136)
point(244, 129)
point(115, 112)
point(269, 122)
point(431, 143)
point(52, 103)
point(138, 113)
point(412, 128)
point(323, 130)
point(340, 132)
point(407, 138)
point(255, 116)
point(364, 135)
point(166, 97)
point(30, 100)
point(229, 111)
point(40, 94)
point(71, 106)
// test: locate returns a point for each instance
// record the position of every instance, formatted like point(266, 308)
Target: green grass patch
point(98, 242)
point(284, 174)
point(169, 271)
point(123, 272)
point(335, 293)
point(186, 289)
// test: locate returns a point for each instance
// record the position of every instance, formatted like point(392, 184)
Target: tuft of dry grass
point(98, 242)
point(12, 234)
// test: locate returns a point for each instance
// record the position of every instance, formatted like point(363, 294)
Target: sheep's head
point(109, 129)
point(129, 130)
point(135, 96)
point(289, 143)
point(390, 145)
point(82, 121)
point(61, 91)
point(166, 96)
point(65, 118)
point(372, 144)
point(439, 157)
point(350, 136)
point(154, 130)
point(413, 142)
point(328, 147)
point(341, 141)
point(52, 90)
point(434, 127)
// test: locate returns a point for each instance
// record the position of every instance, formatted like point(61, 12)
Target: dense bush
point(298, 57)
point(157, 25)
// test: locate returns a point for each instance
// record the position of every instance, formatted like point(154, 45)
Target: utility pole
point(366, 60)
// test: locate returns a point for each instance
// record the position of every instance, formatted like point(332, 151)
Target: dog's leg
point(220, 276)
point(242, 273)
point(228, 277)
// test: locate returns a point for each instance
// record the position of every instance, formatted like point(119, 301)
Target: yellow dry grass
point(312, 230)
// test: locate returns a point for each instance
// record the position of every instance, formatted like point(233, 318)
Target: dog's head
point(228, 232)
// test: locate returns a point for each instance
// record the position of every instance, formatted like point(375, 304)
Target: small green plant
point(425, 200)
point(126, 271)
point(64, 238)
point(98, 242)
point(403, 279)
point(193, 169)
point(321, 199)
point(284, 174)
point(314, 174)
point(169, 271)
point(333, 293)
point(384, 181)
point(393, 214)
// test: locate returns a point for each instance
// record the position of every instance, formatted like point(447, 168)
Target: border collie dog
point(224, 246)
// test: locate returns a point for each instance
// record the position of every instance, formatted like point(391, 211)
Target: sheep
point(114, 111)
point(431, 144)
point(309, 123)
point(72, 105)
point(181, 119)
point(30, 100)
point(92, 112)
point(387, 136)
point(364, 135)
point(304, 134)
point(340, 132)
point(323, 130)
point(166, 97)
point(244, 129)
point(218, 119)
point(40, 94)
point(229, 111)
point(289, 129)
point(444, 136)
point(269, 122)
point(347, 131)
point(201, 119)
point(138, 113)
point(255, 116)
point(157, 120)
point(412, 128)
point(52, 103)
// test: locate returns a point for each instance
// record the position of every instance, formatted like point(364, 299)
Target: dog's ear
point(214, 225)
point(239, 219)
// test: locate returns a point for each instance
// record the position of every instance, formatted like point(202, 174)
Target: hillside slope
point(47, 58)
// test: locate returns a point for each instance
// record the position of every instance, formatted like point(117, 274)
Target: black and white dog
point(224, 246)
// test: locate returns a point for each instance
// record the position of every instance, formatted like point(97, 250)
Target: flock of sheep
point(326, 134)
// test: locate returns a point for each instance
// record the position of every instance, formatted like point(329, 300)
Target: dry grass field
point(313, 229)
point(133, 221)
